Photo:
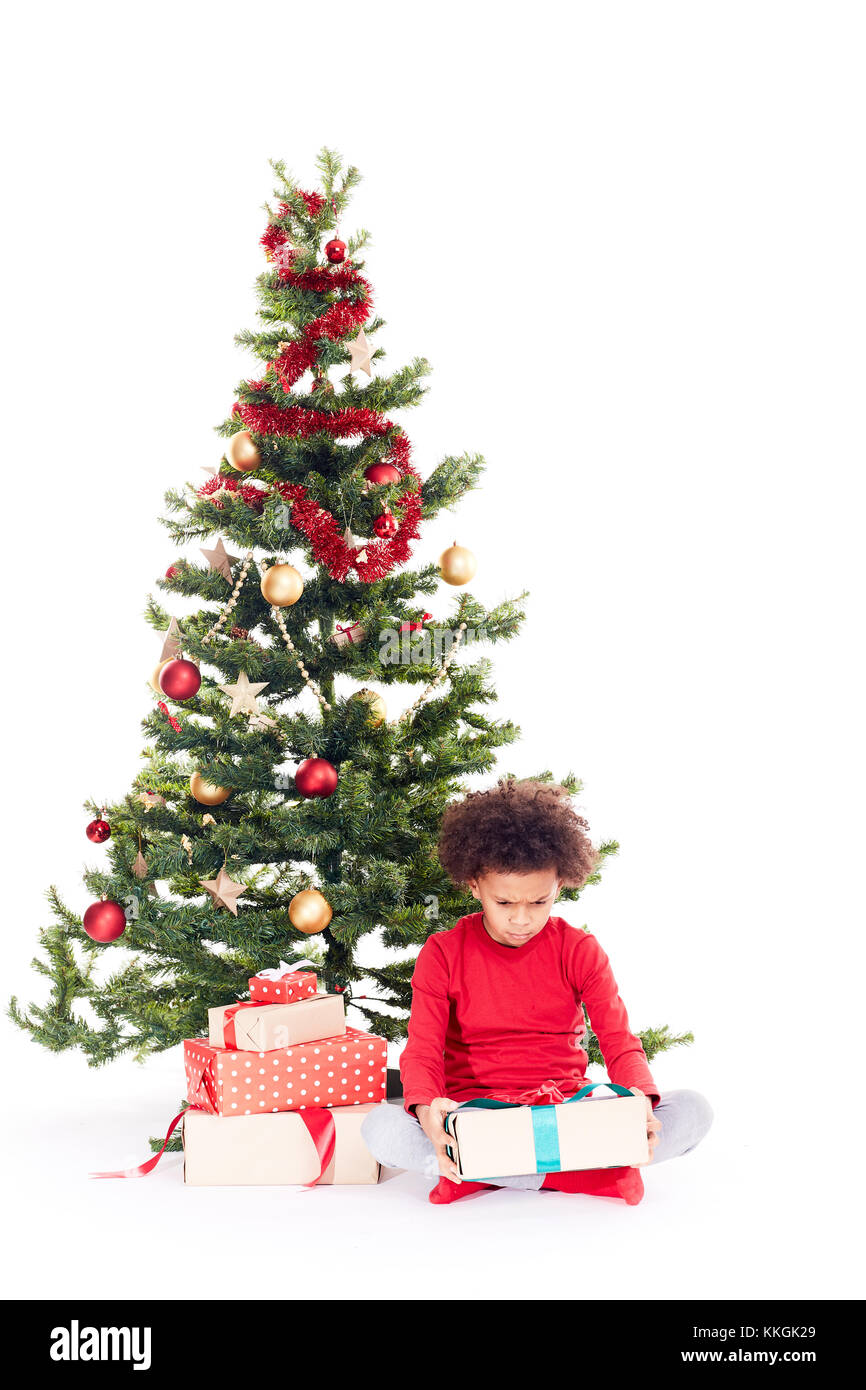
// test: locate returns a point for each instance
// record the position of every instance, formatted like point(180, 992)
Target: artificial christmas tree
point(281, 812)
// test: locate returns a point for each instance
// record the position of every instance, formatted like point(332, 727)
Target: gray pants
point(396, 1139)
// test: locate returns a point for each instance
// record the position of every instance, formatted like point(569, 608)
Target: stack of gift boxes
point(259, 1083)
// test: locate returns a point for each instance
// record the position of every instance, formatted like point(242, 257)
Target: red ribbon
point(229, 1035)
point(348, 630)
point(548, 1093)
point(144, 1168)
point(175, 723)
point(320, 1127)
point(319, 1124)
point(323, 1132)
point(413, 627)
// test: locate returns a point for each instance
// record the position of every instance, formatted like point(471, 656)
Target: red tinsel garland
point(314, 201)
point(275, 236)
point(315, 522)
point(254, 497)
point(337, 320)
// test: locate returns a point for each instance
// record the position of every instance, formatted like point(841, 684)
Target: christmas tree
point(281, 813)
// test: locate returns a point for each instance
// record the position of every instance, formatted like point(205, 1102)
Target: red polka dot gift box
point(349, 1069)
point(285, 984)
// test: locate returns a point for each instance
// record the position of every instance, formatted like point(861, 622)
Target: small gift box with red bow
point(255, 1027)
point(414, 627)
point(349, 636)
point(285, 984)
point(347, 1069)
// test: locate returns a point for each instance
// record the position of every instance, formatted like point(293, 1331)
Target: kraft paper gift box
point(257, 1027)
point(269, 1150)
point(492, 1140)
point(348, 636)
point(349, 1069)
point(285, 984)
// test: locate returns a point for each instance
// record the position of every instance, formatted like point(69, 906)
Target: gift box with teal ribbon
point(496, 1139)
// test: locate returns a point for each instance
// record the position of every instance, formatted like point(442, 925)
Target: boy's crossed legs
point(395, 1138)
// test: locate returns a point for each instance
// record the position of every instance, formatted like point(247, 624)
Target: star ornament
point(219, 559)
point(243, 694)
point(171, 642)
point(224, 891)
point(360, 353)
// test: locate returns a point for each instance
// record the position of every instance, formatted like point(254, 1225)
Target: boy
point(497, 1000)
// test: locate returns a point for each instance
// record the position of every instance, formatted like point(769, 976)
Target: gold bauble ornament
point(243, 453)
point(154, 680)
point(310, 911)
point(282, 585)
point(206, 792)
point(378, 709)
point(457, 565)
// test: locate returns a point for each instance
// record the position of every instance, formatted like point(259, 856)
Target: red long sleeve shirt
point(489, 1019)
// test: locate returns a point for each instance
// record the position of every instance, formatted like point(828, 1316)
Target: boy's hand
point(431, 1120)
point(653, 1126)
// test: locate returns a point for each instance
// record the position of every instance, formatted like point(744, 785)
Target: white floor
point(733, 1219)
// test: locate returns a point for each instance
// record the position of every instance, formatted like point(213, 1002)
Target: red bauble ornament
point(180, 679)
point(335, 251)
point(316, 777)
point(385, 526)
point(172, 571)
point(105, 921)
point(382, 473)
point(98, 831)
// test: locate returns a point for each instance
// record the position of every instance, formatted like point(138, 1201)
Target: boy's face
point(516, 906)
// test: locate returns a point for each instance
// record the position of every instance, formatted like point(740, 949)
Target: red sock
point(449, 1191)
point(626, 1183)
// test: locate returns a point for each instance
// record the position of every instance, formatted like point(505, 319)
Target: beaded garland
point(437, 679)
point(231, 603)
point(308, 680)
point(277, 615)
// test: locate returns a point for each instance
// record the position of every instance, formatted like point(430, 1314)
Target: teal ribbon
point(545, 1134)
point(545, 1130)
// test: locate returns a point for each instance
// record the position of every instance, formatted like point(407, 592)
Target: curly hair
point(516, 827)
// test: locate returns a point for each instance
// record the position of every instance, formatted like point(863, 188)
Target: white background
point(630, 240)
